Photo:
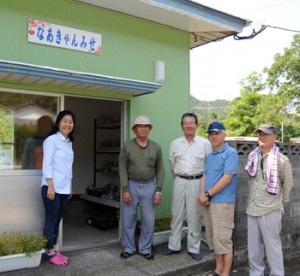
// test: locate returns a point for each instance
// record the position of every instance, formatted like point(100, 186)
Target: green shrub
point(20, 242)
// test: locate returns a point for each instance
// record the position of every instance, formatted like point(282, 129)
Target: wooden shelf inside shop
point(99, 200)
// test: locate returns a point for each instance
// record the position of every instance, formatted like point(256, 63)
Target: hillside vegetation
point(209, 111)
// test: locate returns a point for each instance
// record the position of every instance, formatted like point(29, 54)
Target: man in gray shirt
point(141, 176)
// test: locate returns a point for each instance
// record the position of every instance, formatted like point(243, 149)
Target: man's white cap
point(142, 120)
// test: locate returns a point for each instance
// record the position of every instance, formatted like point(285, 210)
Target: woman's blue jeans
point(54, 210)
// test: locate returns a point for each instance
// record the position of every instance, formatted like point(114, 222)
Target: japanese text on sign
point(60, 36)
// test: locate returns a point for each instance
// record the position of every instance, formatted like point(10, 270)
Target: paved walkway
point(106, 261)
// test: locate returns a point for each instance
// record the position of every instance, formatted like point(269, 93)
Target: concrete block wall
point(291, 218)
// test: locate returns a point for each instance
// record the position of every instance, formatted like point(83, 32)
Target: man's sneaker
point(169, 251)
point(195, 256)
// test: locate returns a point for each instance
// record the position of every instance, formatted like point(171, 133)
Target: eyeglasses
point(189, 124)
point(143, 126)
point(262, 134)
point(215, 133)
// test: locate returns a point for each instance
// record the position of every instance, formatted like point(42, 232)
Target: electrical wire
point(254, 34)
point(263, 27)
point(284, 29)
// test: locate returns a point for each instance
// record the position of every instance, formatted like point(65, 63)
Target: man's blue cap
point(216, 126)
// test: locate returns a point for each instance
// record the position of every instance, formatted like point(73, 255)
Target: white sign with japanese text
point(60, 36)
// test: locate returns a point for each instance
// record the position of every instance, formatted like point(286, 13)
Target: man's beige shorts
point(219, 224)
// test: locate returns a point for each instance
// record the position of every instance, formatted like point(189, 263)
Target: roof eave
point(206, 23)
point(56, 77)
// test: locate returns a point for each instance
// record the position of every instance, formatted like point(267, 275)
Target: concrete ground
point(106, 261)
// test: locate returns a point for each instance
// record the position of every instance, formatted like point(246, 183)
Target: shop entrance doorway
point(92, 216)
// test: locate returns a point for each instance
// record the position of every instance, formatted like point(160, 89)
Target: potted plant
point(163, 228)
point(20, 250)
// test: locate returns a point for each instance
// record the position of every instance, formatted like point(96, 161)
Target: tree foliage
point(242, 116)
point(284, 73)
point(269, 97)
point(12, 100)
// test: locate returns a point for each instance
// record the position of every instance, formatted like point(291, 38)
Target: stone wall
point(291, 218)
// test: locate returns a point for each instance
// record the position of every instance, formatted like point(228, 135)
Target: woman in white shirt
point(57, 180)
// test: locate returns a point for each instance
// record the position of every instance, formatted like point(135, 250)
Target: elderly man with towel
point(270, 182)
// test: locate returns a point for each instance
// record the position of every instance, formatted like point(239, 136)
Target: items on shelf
point(105, 188)
point(106, 120)
point(107, 144)
point(109, 191)
point(103, 220)
point(95, 191)
point(110, 166)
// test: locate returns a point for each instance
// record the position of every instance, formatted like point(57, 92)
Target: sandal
point(125, 255)
point(58, 260)
point(148, 256)
point(62, 256)
point(211, 273)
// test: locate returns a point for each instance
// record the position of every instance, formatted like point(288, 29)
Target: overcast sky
point(218, 67)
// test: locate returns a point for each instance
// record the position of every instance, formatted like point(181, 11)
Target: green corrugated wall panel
point(130, 48)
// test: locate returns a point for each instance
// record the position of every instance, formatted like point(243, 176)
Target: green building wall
point(130, 48)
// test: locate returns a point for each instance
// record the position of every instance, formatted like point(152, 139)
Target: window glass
point(25, 121)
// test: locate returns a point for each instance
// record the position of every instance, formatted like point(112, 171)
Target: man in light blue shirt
point(218, 196)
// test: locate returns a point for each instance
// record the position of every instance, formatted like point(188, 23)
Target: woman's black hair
point(60, 116)
point(189, 115)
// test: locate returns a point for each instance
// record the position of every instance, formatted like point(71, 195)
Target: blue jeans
point(142, 194)
point(54, 210)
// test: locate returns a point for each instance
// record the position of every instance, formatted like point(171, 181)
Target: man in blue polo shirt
point(218, 196)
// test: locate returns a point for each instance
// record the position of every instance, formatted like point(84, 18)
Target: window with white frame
point(25, 121)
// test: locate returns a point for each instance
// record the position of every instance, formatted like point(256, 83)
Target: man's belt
point(190, 177)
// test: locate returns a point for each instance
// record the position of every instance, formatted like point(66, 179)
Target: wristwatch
point(207, 194)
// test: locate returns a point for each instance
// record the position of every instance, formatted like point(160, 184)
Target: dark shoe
point(125, 255)
point(148, 256)
point(169, 251)
point(195, 256)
